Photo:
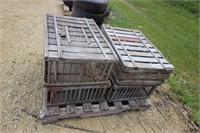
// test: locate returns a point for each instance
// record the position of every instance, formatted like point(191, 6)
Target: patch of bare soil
point(21, 55)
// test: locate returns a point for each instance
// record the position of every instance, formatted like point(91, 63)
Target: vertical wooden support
point(57, 37)
point(96, 39)
point(49, 71)
point(86, 38)
point(67, 34)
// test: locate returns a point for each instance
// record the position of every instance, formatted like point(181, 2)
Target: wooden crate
point(75, 94)
point(128, 92)
point(91, 109)
point(135, 51)
point(76, 52)
point(139, 77)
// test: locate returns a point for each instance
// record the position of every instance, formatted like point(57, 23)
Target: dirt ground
point(21, 54)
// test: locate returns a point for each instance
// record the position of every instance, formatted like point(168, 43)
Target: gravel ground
point(21, 55)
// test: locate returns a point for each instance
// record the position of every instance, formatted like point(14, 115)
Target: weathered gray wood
point(151, 51)
point(97, 41)
point(103, 105)
point(139, 52)
point(118, 105)
point(122, 46)
point(132, 103)
point(57, 37)
point(52, 111)
point(87, 107)
point(70, 108)
point(85, 35)
point(96, 111)
point(45, 37)
point(67, 34)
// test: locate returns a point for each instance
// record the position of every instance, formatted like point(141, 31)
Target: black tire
point(98, 18)
point(92, 6)
point(107, 13)
point(68, 3)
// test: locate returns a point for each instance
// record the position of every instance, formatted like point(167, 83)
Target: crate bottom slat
point(85, 110)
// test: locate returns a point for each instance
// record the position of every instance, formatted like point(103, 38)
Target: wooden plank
point(118, 105)
point(127, 39)
point(132, 103)
point(87, 107)
point(122, 35)
point(75, 50)
point(133, 44)
point(45, 36)
point(137, 54)
point(129, 48)
point(57, 37)
point(127, 76)
point(97, 41)
point(72, 29)
point(85, 35)
point(49, 66)
point(86, 56)
point(69, 20)
point(79, 112)
point(139, 59)
point(70, 108)
point(80, 44)
point(120, 32)
point(103, 105)
point(67, 34)
point(50, 111)
point(145, 65)
point(55, 68)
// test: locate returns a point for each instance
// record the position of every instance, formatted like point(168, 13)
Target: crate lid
point(134, 50)
point(75, 39)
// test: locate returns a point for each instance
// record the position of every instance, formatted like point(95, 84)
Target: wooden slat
point(55, 69)
point(87, 107)
point(51, 111)
point(118, 105)
point(132, 103)
point(70, 108)
point(85, 35)
point(73, 49)
point(103, 105)
point(78, 44)
point(57, 37)
point(45, 36)
point(67, 34)
point(95, 38)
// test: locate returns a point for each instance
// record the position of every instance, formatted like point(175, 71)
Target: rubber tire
point(92, 6)
point(107, 12)
point(68, 3)
point(98, 18)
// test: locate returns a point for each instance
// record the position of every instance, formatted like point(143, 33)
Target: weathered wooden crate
point(75, 94)
point(128, 92)
point(76, 52)
point(140, 74)
point(91, 109)
point(135, 51)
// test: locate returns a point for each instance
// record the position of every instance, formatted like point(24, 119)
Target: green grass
point(175, 32)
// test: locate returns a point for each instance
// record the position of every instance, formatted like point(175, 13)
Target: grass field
point(175, 32)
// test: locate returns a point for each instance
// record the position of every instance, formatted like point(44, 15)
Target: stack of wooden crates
point(141, 68)
point(77, 64)
point(91, 72)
